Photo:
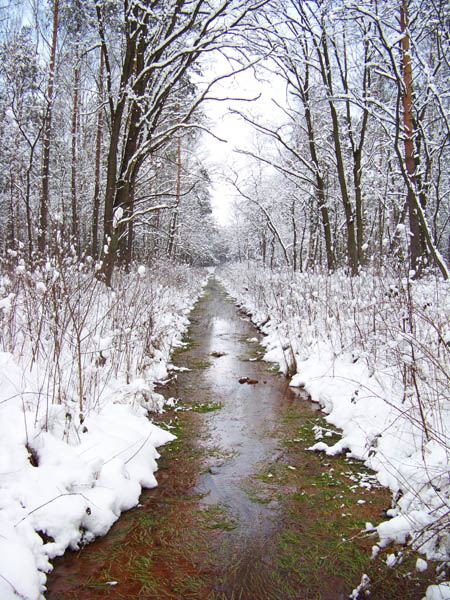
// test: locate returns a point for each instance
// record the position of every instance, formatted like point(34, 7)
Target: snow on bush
point(373, 350)
point(78, 362)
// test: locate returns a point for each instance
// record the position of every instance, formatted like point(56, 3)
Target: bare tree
point(161, 43)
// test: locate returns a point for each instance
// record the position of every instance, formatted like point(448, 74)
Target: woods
point(360, 146)
point(110, 176)
point(319, 132)
point(98, 98)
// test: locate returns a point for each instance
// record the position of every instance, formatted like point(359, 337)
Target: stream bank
point(242, 509)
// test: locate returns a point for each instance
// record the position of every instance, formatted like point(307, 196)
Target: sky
point(220, 156)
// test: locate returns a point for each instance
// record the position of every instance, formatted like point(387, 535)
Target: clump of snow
point(362, 589)
point(373, 351)
point(118, 214)
point(421, 565)
point(438, 592)
point(76, 391)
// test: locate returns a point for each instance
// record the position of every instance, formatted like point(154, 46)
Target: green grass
point(216, 517)
point(188, 344)
point(205, 407)
point(201, 364)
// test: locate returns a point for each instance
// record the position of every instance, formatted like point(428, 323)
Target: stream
point(242, 510)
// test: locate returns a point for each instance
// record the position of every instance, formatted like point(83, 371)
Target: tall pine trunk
point(417, 242)
point(45, 195)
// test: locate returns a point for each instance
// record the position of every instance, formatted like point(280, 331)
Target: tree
point(408, 112)
point(45, 193)
point(357, 62)
point(162, 41)
point(98, 155)
point(21, 105)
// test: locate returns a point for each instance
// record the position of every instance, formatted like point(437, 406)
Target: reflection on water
point(243, 431)
point(242, 442)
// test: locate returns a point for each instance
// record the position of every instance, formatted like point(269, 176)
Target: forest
point(104, 107)
point(334, 239)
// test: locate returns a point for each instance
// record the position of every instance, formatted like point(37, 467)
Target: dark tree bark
point(45, 196)
point(320, 183)
point(356, 146)
point(325, 65)
point(417, 244)
point(98, 157)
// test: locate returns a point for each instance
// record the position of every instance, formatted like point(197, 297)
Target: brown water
point(247, 425)
point(240, 439)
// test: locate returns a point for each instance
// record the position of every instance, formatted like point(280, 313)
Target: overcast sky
point(218, 156)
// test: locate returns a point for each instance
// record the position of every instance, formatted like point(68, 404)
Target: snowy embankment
point(374, 351)
point(78, 363)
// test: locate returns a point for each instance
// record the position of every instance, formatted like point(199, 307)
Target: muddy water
point(238, 440)
point(245, 425)
point(244, 430)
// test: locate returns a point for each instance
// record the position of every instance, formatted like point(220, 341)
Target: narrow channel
point(244, 431)
point(242, 510)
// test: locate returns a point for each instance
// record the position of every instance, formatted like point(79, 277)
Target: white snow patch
point(71, 461)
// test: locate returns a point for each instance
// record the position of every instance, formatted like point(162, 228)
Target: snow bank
point(373, 351)
point(438, 592)
point(77, 375)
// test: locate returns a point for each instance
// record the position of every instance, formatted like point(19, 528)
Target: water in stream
point(231, 517)
point(252, 399)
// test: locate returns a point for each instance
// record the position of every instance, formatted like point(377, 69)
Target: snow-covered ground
point(374, 351)
point(78, 363)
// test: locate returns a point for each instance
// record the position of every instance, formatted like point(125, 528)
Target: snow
point(378, 365)
point(118, 214)
point(76, 451)
point(362, 588)
point(438, 592)
point(421, 565)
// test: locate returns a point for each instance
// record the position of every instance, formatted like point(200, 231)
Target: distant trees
point(47, 131)
point(365, 128)
point(21, 125)
point(121, 93)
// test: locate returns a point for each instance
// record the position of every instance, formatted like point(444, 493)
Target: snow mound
point(373, 351)
point(76, 391)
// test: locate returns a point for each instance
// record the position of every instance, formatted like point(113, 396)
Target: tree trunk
point(74, 203)
point(416, 245)
point(263, 248)
point(130, 233)
point(98, 156)
point(114, 194)
point(352, 251)
point(320, 187)
point(173, 223)
point(294, 237)
point(11, 234)
point(320, 184)
point(44, 205)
